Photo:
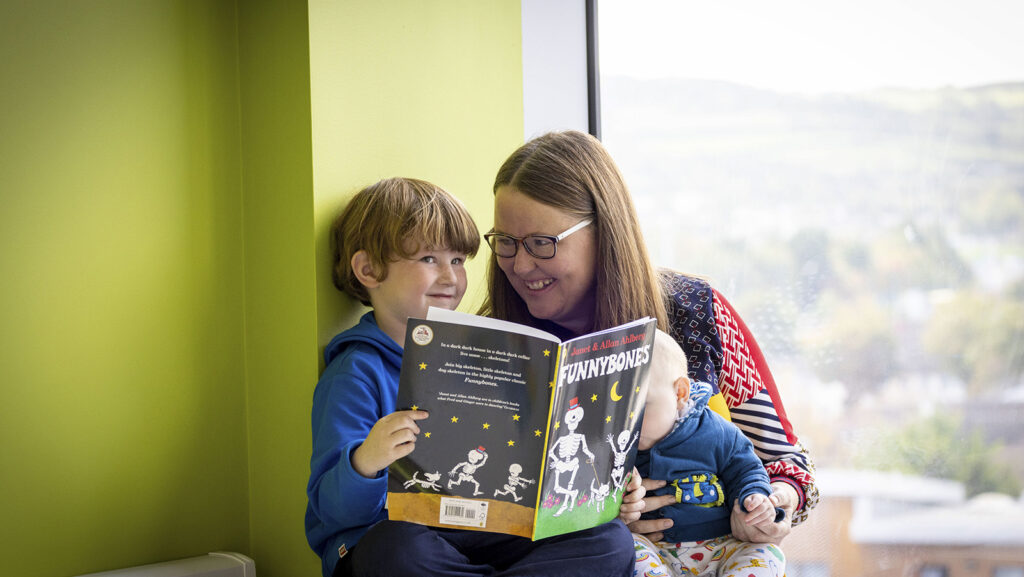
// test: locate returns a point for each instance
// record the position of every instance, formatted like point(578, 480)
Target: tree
point(979, 338)
point(810, 250)
point(918, 258)
point(851, 342)
point(940, 447)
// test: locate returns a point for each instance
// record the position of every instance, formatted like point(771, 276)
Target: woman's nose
point(523, 261)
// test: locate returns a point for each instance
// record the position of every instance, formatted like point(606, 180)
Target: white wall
point(554, 66)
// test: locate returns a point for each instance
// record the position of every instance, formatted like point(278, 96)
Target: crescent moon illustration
point(616, 396)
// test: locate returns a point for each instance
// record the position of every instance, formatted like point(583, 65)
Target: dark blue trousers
point(392, 548)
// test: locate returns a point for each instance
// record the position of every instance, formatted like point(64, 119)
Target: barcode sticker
point(465, 512)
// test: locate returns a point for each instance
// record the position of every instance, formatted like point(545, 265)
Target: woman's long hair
point(573, 172)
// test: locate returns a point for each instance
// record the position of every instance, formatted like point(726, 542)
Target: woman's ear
point(682, 391)
point(364, 270)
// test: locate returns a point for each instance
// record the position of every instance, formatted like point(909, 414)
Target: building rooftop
point(896, 509)
point(989, 519)
point(888, 486)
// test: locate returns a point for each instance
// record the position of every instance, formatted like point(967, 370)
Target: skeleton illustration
point(429, 483)
point(563, 455)
point(599, 494)
point(514, 482)
point(464, 471)
point(624, 444)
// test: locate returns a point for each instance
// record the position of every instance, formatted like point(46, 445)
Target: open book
point(527, 435)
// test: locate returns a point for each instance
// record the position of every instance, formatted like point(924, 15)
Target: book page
point(595, 424)
point(478, 457)
point(448, 316)
point(591, 337)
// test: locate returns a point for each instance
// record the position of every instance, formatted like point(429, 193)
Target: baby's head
point(668, 390)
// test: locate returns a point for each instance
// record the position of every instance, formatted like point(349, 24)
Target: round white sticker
point(422, 335)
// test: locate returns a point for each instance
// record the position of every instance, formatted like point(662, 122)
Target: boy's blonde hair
point(393, 219)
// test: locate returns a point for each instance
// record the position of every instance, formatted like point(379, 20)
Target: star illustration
point(511, 443)
point(427, 434)
point(608, 419)
point(515, 417)
point(423, 366)
point(415, 407)
point(557, 425)
point(455, 419)
point(487, 425)
point(632, 415)
point(551, 385)
point(593, 398)
point(536, 432)
point(547, 353)
point(638, 388)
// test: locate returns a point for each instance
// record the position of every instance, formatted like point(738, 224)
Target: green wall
point(122, 419)
point(168, 171)
point(431, 90)
point(425, 89)
point(279, 278)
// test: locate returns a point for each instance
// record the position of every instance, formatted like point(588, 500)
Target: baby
point(708, 465)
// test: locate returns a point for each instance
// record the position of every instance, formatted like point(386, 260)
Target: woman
point(568, 256)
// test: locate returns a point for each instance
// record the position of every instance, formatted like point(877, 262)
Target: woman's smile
point(558, 289)
point(540, 284)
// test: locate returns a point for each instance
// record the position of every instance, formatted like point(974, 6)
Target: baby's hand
point(771, 529)
point(760, 509)
point(390, 439)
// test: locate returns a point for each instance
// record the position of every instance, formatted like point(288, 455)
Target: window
point(933, 571)
point(851, 177)
point(807, 569)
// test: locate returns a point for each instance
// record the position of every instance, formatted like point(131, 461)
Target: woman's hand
point(633, 504)
point(754, 528)
point(391, 438)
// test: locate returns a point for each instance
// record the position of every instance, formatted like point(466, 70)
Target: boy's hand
point(390, 439)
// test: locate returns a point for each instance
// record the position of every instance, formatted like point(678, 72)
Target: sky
point(813, 47)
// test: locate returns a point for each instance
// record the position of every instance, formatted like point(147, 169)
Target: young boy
point(709, 465)
point(400, 246)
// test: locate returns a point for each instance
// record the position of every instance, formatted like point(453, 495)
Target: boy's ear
point(682, 391)
point(364, 270)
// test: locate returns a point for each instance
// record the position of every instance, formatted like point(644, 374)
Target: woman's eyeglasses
point(538, 245)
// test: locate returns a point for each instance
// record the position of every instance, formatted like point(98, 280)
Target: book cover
point(526, 435)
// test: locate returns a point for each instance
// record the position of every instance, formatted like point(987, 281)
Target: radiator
point(219, 564)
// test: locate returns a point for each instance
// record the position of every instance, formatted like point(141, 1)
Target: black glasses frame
point(517, 241)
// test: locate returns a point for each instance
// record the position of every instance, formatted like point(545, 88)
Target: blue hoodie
point(712, 465)
point(357, 388)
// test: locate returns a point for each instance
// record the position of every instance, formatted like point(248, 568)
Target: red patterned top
point(722, 351)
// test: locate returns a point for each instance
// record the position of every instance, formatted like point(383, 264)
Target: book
point(527, 435)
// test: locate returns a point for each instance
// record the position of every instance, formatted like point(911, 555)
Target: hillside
point(873, 241)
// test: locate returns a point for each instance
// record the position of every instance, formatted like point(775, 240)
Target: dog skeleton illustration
point(430, 482)
point(599, 494)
